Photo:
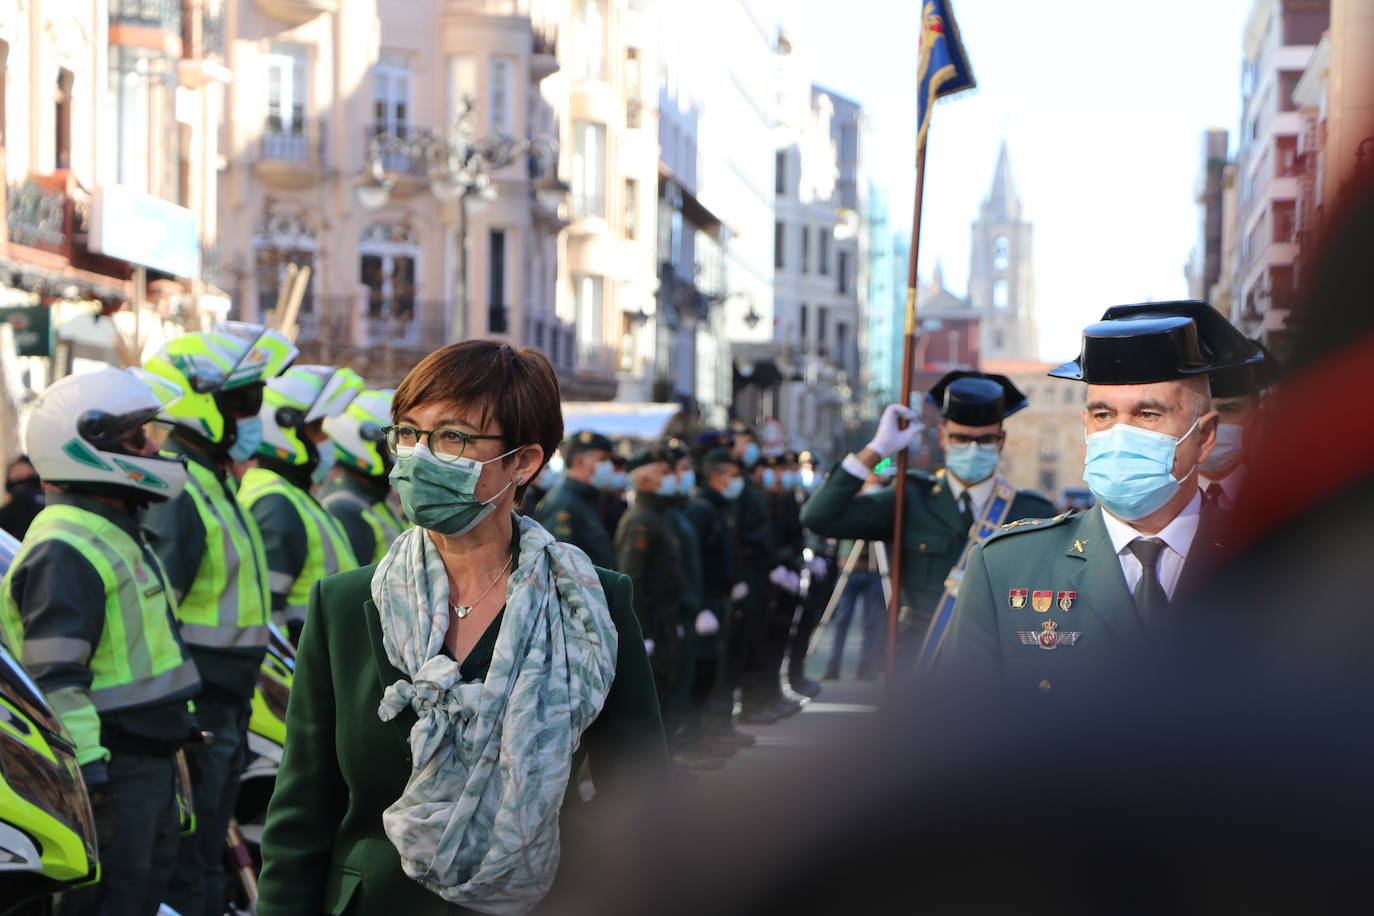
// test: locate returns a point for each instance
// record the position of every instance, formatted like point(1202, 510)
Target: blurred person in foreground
point(572, 509)
point(445, 698)
point(1220, 770)
point(23, 497)
point(1046, 604)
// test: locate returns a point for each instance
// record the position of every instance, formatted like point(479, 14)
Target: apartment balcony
point(544, 53)
point(163, 15)
point(291, 155)
point(296, 12)
point(47, 222)
point(382, 337)
point(594, 373)
point(407, 168)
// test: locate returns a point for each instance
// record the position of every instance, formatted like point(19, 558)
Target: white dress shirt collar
point(978, 494)
point(1177, 536)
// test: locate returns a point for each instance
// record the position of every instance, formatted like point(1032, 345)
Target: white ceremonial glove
point(707, 624)
point(779, 576)
point(817, 566)
point(889, 439)
point(793, 583)
point(739, 592)
point(649, 646)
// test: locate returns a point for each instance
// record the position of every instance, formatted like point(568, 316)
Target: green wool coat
point(935, 531)
point(324, 850)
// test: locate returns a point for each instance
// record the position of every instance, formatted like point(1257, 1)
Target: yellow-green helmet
point(47, 831)
point(209, 364)
point(301, 395)
point(359, 441)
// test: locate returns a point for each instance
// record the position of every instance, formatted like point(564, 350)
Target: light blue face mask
point(789, 480)
point(751, 454)
point(1130, 470)
point(687, 482)
point(770, 478)
point(603, 475)
point(621, 481)
point(249, 438)
point(971, 462)
point(734, 488)
point(326, 462)
point(668, 485)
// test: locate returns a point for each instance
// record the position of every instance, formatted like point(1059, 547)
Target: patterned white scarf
point(490, 760)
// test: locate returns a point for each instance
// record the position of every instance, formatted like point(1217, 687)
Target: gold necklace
point(462, 610)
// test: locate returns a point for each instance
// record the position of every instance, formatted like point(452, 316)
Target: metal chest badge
point(1017, 598)
point(1066, 600)
point(1049, 637)
point(1041, 601)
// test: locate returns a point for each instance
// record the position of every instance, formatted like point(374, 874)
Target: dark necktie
point(966, 509)
point(1150, 598)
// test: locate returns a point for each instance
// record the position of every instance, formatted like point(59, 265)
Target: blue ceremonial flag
point(943, 68)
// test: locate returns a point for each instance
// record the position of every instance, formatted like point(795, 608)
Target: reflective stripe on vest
point(327, 550)
point(139, 659)
point(386, 527)
point(228, 604)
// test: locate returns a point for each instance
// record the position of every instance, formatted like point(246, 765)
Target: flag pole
point(908, 370)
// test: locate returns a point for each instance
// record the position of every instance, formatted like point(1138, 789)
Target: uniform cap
point(1252, 378)
point(586, 440)
point(975, 398)
point(1158, 342)
point(648, 456)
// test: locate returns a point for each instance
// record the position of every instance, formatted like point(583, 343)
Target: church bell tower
point(1001, 281)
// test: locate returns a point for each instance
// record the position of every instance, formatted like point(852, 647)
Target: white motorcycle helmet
point(73, 433)
point(359, 441)
point(301, 395)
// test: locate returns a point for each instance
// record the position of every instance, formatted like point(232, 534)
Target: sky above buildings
point(1103, 106)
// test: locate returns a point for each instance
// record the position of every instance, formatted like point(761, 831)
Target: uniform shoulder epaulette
point(1022, 525)
point(916, 475)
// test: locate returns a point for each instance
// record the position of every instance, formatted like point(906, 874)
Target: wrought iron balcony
point(36, 216)
point(148, 14)
point(291, 152)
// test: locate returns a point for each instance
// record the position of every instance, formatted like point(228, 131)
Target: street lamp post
point(458, 164)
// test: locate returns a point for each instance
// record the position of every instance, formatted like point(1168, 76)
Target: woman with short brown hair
point(445, 698)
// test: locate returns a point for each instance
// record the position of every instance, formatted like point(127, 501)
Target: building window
point(502, 102)
point(1303, 24)
point(287, 91)
point(1286, 156)
point(627, 343)
point(1284, 213)
point(823, 256)
point(822, 319)
point(1001, 253)
point(1288, 81)
point(4, 86)
point(806, 249)
point(462, 84)
point(589, 39)
point(587, 308)
point(589, 170)
point(634, 89)
point(780, 173)
point(805, 311)
point(497, 313)
point(631, 208)
point(387, 258)
point(779, 240)
point(841, 340)
point(63, 111)
point(1049, 481)
point(842, 274)
point(1001, 295)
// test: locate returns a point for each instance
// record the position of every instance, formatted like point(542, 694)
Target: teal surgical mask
point(1130, 470)
point(972, 462)
point(325, 464)
point(603, 475)
point(248, 439)
point(669, 485)
point(687, 482)
point(440, 496)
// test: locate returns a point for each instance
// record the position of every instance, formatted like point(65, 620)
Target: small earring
point(519, 480)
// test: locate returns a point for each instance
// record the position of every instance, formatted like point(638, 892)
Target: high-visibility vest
point(138, 660)
point(386, 525)
point(327, 549)
point(228, 605)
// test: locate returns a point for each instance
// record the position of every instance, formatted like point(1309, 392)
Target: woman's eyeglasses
point(446, 444)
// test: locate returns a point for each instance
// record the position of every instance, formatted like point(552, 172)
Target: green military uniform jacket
point(935, 529)
point(350, 499)
point(1044, 604)
point(324, 850)
point(572, 512)
point(647, 550)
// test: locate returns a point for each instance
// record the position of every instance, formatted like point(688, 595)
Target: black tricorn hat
point(584, 441)
point(1251, 378)
point(1158, 342)
point(975, 398)
point(649, 456)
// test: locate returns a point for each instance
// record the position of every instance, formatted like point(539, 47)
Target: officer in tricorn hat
point(965, 498)
point(571, 511)
point(1046, 601)
point(1236, 395)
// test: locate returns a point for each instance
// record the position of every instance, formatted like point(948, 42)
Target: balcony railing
point(395, 160)
point(293, 141)
point(596, 358)
point(37, 216)
point(156, 14)
point(381, 337)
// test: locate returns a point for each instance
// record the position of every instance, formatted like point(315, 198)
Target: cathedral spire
point(1002, 199)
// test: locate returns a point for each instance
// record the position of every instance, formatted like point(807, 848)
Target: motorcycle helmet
point(357, 433)
point(47, 830)
point(221, 372)
point(297, 397)
point(75, 433)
